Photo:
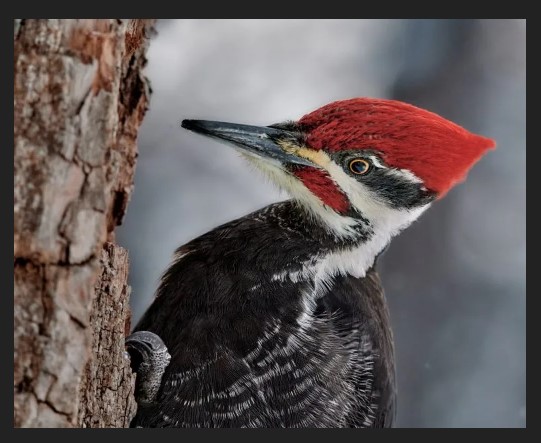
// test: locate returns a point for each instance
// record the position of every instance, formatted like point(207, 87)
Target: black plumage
point(254, 342)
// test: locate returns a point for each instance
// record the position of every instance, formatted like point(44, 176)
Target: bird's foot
point(149, 358)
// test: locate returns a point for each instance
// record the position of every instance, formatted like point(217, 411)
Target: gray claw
point(149, 358)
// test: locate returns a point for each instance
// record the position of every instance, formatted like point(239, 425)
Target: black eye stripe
point(359, 166)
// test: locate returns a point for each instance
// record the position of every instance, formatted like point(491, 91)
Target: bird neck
point(345, 244)
point(329, 254)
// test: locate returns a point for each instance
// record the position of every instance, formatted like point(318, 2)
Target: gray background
point(455, 280)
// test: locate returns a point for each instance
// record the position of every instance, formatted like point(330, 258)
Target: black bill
point(259, 140)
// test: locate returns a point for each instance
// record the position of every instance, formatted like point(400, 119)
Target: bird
point(279, 318)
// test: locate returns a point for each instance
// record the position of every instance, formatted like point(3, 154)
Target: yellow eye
point(359, 166)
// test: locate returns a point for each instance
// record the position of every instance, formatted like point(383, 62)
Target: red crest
point(435, 149)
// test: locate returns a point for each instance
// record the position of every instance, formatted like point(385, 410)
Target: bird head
point(359, 164)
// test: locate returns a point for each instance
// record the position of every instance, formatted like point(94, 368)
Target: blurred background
point(455, 280)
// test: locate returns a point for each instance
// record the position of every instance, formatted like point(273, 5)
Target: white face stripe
point(342, 226)
point(369, 204)
point(385, 221)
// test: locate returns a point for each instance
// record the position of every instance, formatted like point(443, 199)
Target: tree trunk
point(79, 98)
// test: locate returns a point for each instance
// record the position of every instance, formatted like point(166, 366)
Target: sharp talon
point(144, 338)
point(149, 358)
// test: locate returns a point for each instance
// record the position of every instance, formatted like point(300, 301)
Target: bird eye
point(359, 166)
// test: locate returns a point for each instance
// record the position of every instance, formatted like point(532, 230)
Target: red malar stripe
point(323, 187)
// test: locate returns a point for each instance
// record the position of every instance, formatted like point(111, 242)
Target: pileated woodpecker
point(278, 319)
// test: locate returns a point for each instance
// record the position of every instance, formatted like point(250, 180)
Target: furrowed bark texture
point(79, 99)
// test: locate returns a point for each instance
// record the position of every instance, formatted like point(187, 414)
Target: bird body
point(278, 319)
point(273, 342)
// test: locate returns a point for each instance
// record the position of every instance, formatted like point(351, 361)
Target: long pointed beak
point(258, 140)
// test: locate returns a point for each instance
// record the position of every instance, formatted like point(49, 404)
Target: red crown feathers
point(434, 149)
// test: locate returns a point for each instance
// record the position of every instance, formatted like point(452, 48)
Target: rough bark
point(79, 98)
